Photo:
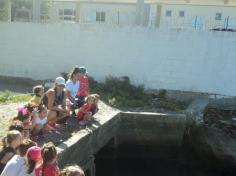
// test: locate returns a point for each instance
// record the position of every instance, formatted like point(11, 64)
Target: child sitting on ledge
point(39, 122)
point(85, 114)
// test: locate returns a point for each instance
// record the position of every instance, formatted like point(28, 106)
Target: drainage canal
point(154, 144)
point(126, 144)
point(131, 161)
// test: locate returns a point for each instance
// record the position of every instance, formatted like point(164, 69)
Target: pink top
point(84, 84)
point(82, 110)
point(51, 170)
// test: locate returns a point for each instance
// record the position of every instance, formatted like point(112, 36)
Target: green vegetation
point(7, 97)
point(120, 93)
point(45, 9)
point(3, 12)
point(117, 92)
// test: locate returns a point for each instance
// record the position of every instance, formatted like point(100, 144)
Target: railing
point(198, 23)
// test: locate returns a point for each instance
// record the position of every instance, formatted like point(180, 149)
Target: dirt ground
point(7, 112)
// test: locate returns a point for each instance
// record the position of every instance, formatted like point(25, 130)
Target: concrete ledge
point(153, 130)
point(81, 147)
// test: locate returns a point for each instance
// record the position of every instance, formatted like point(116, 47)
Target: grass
point(120, 93)
point(7, 97)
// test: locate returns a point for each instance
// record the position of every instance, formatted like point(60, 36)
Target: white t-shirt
point(40, 121)
point(16, 166)
point(72, 88)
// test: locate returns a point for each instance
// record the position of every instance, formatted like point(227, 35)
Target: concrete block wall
point(198, 61)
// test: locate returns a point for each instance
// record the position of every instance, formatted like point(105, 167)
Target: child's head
point(25, 145)
point(83, 70)
point(42, 110)
point(33, 156)
point(16, 125)
point(96, 97)
point(74, 74)
point(72, 171)
point(23, 113)
point(49, 153)
point(90, 99)
point(13, 139)
point(38, 90)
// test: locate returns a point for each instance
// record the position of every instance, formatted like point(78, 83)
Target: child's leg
point(88, 116)
point(36, 130)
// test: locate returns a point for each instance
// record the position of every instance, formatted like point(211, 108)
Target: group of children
point(32, 118)
point(32, 121)
point(24, 158)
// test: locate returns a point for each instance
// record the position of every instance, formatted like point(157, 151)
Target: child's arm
point(82, 110)
point(33, 121)
point(50, 127)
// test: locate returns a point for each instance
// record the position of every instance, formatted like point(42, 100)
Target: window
point(22, 14)
point(218, 16)
point(100, 16)
point(67, 14)
point(168, 13)
point(181, 13)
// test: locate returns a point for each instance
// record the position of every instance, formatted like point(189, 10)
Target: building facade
point(171, 14)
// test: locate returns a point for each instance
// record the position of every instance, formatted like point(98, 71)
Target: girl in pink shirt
point(84, 87)
point(49, 155)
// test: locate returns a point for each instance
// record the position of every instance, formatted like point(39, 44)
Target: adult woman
point(55, 100)
point(72, 86)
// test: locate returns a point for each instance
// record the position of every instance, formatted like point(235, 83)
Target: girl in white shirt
point(39, 123)
point(72, 87)
point(17, 165)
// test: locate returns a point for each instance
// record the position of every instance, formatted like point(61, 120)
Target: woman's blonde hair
point(74, 170)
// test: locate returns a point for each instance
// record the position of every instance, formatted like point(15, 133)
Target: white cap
point(60, 81)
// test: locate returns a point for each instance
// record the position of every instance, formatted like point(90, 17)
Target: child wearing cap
point(34, 160)
point(84, 86)
point(17, 164)
point(49, 155)
point(72, 171)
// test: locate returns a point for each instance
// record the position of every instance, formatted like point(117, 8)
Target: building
point(197, 14)
point(172, 14)
point(103, 12)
